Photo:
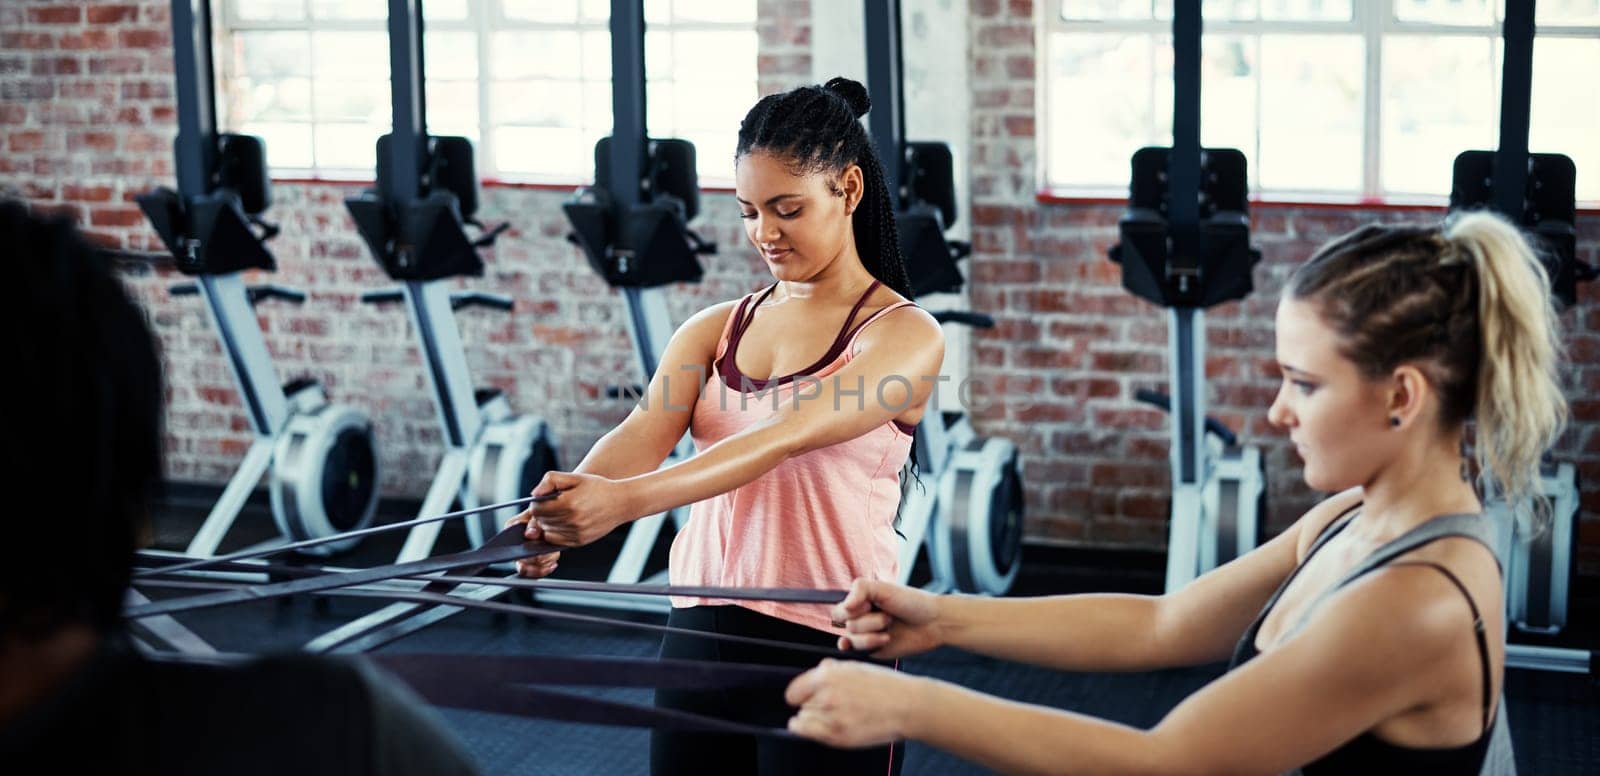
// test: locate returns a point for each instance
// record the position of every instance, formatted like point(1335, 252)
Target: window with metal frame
point(529, 81)
point(1329, 99)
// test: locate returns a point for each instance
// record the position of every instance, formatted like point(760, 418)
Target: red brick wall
point(1072, 339)
point(86, 120)
point(785, 48)
point(86, 109)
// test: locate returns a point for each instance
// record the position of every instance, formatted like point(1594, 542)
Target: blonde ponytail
point(1519, 408)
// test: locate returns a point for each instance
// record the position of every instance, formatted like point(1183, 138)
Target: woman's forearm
point(1011, 737)
point(618, 456)
point(1089, 632)
point(735, 461)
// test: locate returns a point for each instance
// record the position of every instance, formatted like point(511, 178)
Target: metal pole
point(197, 124)
point(1183, 175)
point(885, 83)
point(1511, 160)
point(628, 131)
point(408, 139)
point(1183, 217)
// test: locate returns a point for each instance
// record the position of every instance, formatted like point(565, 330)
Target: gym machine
point(1536, 192)
point(324, 472)
point(971, 520)
point(1184, 244)
point(414, 222)
point(632, 226)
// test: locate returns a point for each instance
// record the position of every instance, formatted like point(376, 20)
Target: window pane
point(714, 155)
point(1228, 93)
point(1228, 10)
point(281, 99)
point(444, 10)
point(288, 144)
point(714, 54)
point(273, 54)
point(1471, 12)
point(1106, 9)
point(344, 54)
point(345, 9)
point(704, 106)
point(1438, 100)
point(597, 112)
point(535, 54)
point(348, 146)
point(552, 11)
point(657, 12)
point(269, 10)
point(1106, 92)
point(360, 100)
point(595, 10)
point(597, 55)
point(538, 103)
point(451, 55)
point(1553, 12)
point(1565, 111)
point(544, 151)
point(659, 105)
point(1311, 113)
point(1306, 10)
point(453, 108)
point(724, 11)
point(657, 54)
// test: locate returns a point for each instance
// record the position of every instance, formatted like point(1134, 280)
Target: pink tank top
point(819, 520)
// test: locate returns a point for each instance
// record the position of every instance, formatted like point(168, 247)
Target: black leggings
point(673, 753)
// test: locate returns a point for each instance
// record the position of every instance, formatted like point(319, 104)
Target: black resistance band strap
point(533, 611)
point(201, 563)
point(487, 555)
point(408, 619)
point(793, 595)
point(498, 684)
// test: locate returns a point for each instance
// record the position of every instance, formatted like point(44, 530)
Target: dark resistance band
point(499, 684)
point(201, 563)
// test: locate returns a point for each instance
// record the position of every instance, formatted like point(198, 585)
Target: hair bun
point(853, 93)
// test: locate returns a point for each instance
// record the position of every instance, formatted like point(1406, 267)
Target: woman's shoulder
point(717, 313)
point(886, 304)
point(1317, 520)
point(710, 321)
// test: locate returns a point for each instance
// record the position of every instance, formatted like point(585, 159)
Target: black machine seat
point(928, 208)
point(1221, 270)
point(651, 245)
point(1549, 210)
point(212, 233)
point(425, 238)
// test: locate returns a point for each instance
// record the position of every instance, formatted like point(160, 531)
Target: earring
point(1394, 421)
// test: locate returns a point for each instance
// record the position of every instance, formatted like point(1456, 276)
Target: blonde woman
point(1365, 638)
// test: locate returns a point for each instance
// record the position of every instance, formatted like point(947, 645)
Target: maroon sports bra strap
point(748, 311)
point(846, 331)
point(849, 319)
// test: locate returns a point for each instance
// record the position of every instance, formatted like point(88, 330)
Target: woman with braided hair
point(802, 399)
point(1365, 638)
